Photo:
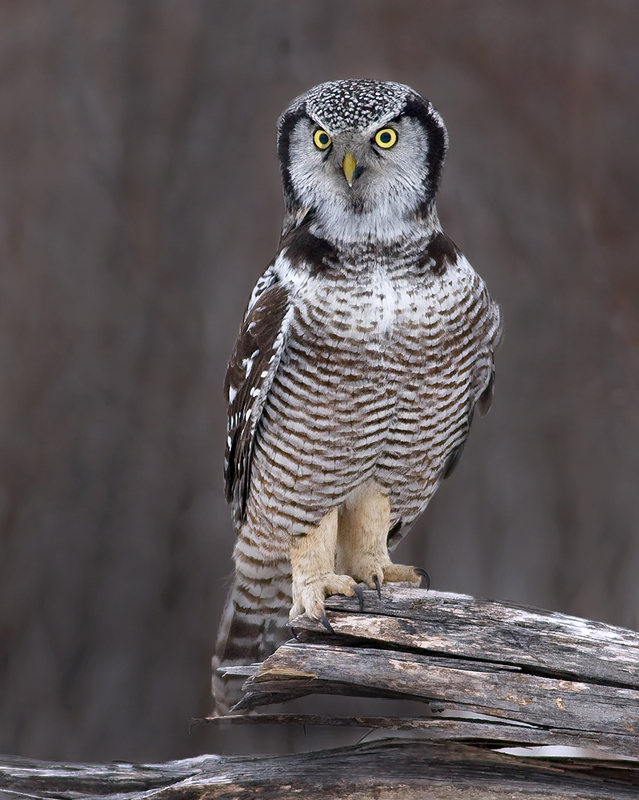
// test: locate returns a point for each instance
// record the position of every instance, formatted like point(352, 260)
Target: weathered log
point(304, 668)
point(490, 675)
point(546, 678)
point(388, 770)
point(459, 625)
point(483, 732)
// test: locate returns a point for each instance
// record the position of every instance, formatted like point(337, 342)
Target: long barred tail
point(254, 620)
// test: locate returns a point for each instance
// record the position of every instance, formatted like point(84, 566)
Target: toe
point(339, 584)
point(398, 573)
point(309, 598)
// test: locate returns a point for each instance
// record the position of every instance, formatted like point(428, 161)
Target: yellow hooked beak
point(348, 165)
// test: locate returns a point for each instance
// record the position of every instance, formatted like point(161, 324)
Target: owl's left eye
point(322, 139)
point(386, 138)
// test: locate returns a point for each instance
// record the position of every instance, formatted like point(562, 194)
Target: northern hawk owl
point(365, 349)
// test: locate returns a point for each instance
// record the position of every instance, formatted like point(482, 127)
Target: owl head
point(363, 158)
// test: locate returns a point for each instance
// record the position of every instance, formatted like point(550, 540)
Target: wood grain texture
point(428, 654)
point(566, 680)
point(387, 770)
point(470, 627)
point(478, 731)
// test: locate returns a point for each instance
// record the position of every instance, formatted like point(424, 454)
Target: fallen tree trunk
point(387, 770)
point(490, 675)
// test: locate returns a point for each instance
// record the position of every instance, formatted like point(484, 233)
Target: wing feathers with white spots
point(248, 379)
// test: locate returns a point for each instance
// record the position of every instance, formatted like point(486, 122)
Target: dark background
point(139, 202)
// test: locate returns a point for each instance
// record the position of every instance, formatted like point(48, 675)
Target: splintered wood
point(541, 678)
point(489, 675)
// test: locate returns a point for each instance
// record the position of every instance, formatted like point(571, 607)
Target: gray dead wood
point(482, 732)
point(537, 677)
point(542, 677)
point(387, 770)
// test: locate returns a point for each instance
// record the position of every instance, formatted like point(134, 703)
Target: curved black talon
point(424, 575)
point(294, 632)
point(377, 586)
point(360, 596)
point(326, 623)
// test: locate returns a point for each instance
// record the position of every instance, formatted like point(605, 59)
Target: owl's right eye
point(322, 139)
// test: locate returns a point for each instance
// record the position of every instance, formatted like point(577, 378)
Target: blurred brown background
point(140, 200)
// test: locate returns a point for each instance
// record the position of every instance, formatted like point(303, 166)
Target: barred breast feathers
point(398, 280)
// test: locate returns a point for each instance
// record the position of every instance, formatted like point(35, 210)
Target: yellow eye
point(386, 138)
point(322, 139)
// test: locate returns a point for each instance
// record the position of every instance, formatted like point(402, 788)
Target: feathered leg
point(362, 551)
point(313, 564)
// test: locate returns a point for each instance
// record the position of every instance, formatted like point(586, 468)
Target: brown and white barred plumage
point(365, 348)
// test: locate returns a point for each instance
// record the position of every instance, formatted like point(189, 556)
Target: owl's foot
point(308, 595)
